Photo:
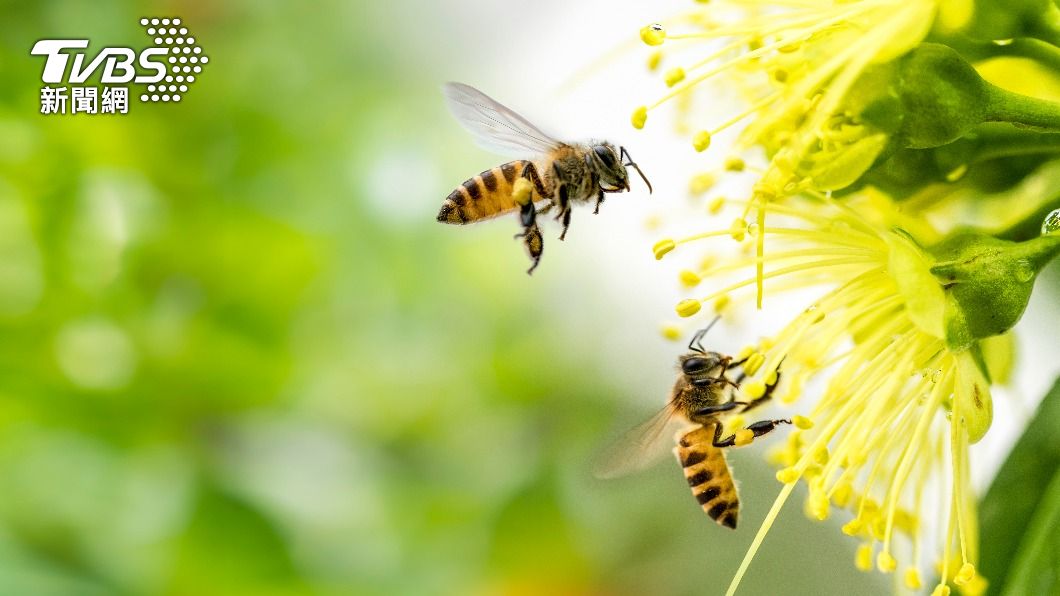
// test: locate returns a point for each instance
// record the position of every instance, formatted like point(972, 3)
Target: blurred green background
point(238, 355)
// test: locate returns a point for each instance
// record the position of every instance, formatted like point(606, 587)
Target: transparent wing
point(495, 127)
point(640, 447)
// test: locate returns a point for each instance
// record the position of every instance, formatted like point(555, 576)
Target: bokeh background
point(239, 356)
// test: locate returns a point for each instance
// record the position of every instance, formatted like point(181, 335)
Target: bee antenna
point(625, 155)
point(696, 345)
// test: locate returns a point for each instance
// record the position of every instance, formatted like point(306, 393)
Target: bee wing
point(639, 447)
point(495, 127)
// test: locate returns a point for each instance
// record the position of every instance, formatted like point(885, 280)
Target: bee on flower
point(891, 339)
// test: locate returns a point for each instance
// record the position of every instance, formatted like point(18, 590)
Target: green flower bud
point(987, 282)
point(943, 98)
point(942, 95)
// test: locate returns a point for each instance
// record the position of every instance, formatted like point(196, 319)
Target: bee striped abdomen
point(708, 474)
point(487, 195)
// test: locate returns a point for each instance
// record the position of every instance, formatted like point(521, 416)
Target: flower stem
point(1005, 106)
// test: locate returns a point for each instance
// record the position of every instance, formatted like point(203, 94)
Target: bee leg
point(566, 222)
point(766, 396)
point(757, 429)
point(531, 235)
point(725, 407)
point(599, 201)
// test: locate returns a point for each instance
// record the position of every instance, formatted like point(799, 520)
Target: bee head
point(610, 164)
point(703, 365)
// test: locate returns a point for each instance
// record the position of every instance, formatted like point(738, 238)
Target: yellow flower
point(798, 66)
point(898, 408)
point(796, 63)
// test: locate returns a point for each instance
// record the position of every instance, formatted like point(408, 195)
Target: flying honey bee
point(557, 174)
point(702, 394)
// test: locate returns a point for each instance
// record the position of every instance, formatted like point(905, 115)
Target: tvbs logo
point(167, 69)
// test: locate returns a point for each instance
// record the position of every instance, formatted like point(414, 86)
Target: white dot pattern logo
point(182, 49)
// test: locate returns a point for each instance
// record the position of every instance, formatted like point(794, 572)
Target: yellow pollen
point(738, 229)
point(736, 421)
point(688, 307)
point(912, 579)
point(788, 475)
point(701, 141)
point(885, 562)
point(753, 363)
point(965, 575)
point(654, 60)
point(734, 164)
point(853, 527)
point(820, 456)
point(841, 495)
point(715, 206)
point(661, 247)
point(745, 352)
point(771, 378)
point(521, 191)
point(701, 183)
point(640, 116)
point(653, 34)
point(755, 389)
point(689, 279)
point(802, 422)
point(819, 504)
point(744, 437)
point(721, 302)
point(674, 76)
point(670, 331)
point(863, 559)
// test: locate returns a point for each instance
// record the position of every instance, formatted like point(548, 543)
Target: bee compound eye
point(605, 154)
point(693, 365)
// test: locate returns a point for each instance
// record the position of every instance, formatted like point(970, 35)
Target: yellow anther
point(738, 229)
point(812, 471)
point(745, 352)
point(662, 247)
point(640, 116)
point(734, 164)
point(912, 578)
point(853, 527)
point(863, 559)
point(688, 307)
point(788, 475)
point(789, 48)
point(674, 76)
point(820, 456)
point(521, 191)
point(820, 506)
point(744, 437)
point(754, 389)
point(654, 60)
point(975, 587)
point(670, 331)
point(707, 262)
point(753, 363)
point(965, 575)
point(715, 206)
point(878, 527)
point(780, 75)
point(721, 302)
point(802, 422)
point(771, 378)
point(689, 279)
point(941, 590)
point(885, 562)
point(701, 141)
point(736, 421)
point(701, 183)
point(653, 34)
point(841, 495)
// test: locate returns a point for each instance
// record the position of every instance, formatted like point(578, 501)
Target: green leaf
point(1020, 515)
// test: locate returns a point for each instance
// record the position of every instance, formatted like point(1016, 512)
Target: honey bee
point(557, 174)
point(702, 394)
